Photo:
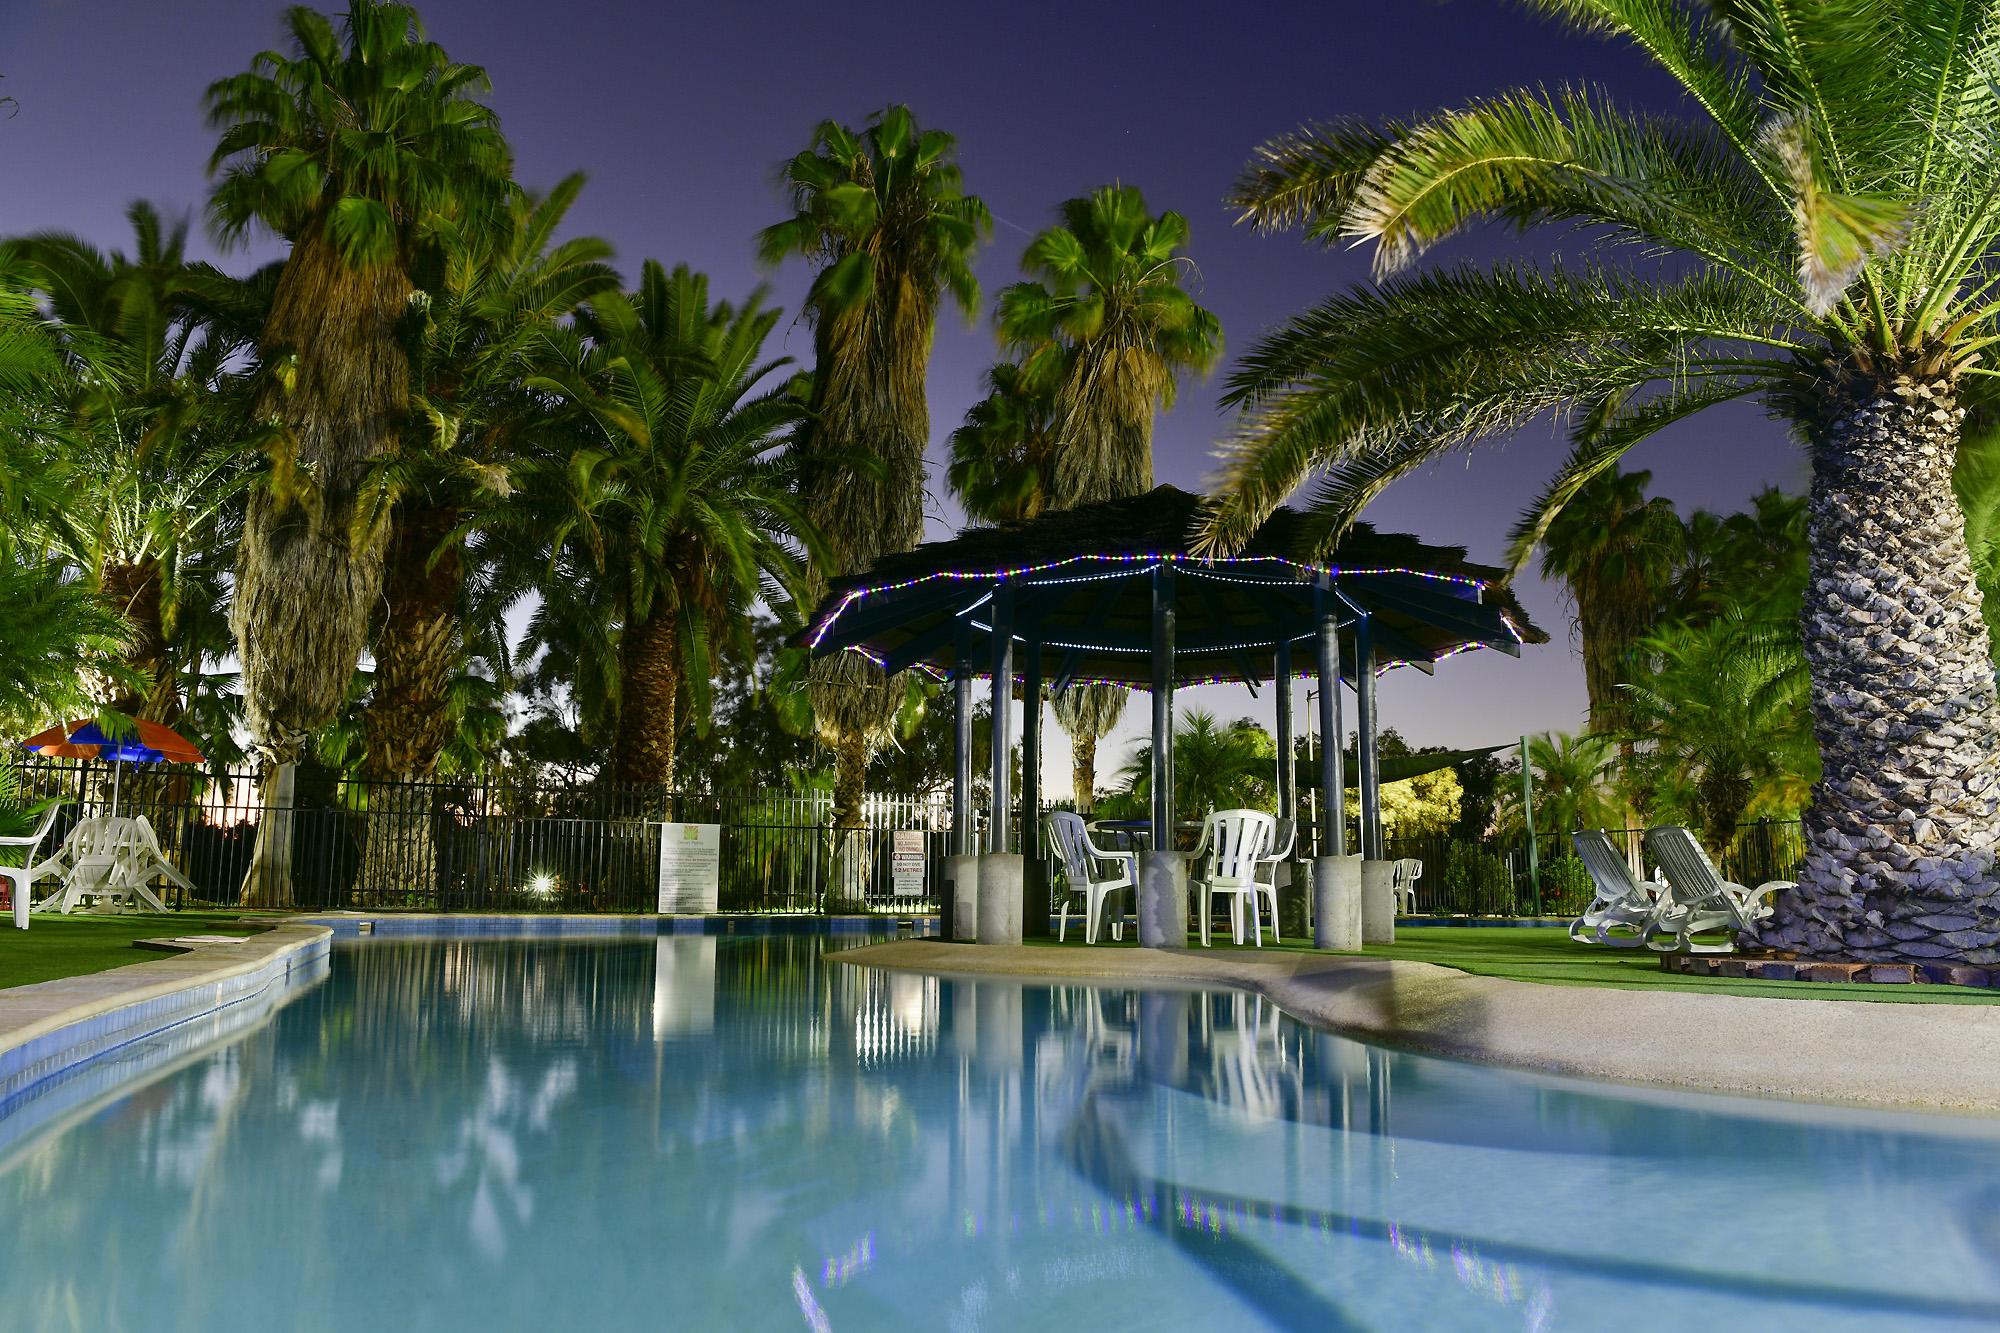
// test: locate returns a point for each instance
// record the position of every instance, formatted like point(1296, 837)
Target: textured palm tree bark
point(407, 723)
point(649, 717)
point(306, 579)
point(1902, 829)
point(134, 592)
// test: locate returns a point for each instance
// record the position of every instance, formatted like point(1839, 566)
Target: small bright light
point(542, 886)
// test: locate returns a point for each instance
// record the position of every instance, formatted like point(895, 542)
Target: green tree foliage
point(1817, 235)
point(684, 510)
point(883, 215)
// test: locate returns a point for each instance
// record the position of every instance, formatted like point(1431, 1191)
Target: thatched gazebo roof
point(1082, 590)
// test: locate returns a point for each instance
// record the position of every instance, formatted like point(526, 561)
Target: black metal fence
point(487, 845)
point(586, 846)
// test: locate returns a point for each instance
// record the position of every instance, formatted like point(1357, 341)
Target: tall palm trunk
point(133, 590)
point(306, 580)
point(1902, 829)
point(871, 368)
point(649, 709)
point(1104, 415)
point(407, 721)
point(1088, 713)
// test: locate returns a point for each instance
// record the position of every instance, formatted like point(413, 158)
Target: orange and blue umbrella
point(144, 743)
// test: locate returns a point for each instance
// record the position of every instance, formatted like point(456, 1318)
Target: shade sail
point(1081, 587)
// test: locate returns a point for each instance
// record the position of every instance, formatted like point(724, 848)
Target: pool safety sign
point(690, 867)
point(906, 862)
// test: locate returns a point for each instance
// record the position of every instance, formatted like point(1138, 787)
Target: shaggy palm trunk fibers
point(1901, 833)
point(133, 591)
point(648, 714)
point(306, 580)
point(407, 723)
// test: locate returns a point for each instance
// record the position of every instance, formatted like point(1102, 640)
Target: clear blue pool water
point(710, 1133)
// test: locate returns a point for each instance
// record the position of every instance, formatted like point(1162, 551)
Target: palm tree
point(1105, 337)
point(690, 512)
point(1216, 767)
point(1721, 705)
point(1818, 239)
point(490, 296)
point(353, 148)
point(1110, 323)
point(1614, 550)
point(151, 459)
point(1573, 784)
point(1003, 457)
point(884, 215)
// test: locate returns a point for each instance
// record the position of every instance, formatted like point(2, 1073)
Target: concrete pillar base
point(1378, 903)
point(999, 891)
point(965, 898)
point(1337, 903)
point(1163, 900)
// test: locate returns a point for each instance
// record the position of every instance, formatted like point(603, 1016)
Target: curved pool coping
point(51, 1029)
point(1933, 1057)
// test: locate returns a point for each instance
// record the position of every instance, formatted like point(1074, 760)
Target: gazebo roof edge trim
point(1194, 563)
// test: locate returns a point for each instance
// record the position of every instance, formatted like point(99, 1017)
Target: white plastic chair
point(1081, 858)
point(1234, 840)
point(1403, 877)
point(21, 878)
point(1622, 902)
point(1285, 834)
point(1698, 898)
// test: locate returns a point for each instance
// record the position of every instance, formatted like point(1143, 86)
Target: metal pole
point(1163, 707)
point(1528, 813)
point(1371, 766)
point(1034, 876)
point(961, 756)
point(1332, 781)
point(1003, 697)
point(1288, 763)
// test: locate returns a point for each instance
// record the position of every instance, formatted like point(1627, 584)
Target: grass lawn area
point(70, 946)
point(1547, 955)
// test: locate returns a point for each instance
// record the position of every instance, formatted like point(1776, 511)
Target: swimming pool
point(733, 1133)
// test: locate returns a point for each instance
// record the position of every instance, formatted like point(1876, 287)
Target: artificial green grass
point(1548, 955)
point(72, 946)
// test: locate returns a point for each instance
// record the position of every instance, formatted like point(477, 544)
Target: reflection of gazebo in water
point(1109, 593)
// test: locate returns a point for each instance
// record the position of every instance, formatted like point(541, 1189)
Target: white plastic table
point(109, 861)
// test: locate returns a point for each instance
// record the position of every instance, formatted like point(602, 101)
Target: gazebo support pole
point(1378, 893)
point(1288, 762)
point(959, 908)
point(1371, 765)
point(1336, 875)
point(1162, 870)
point(1288, 774)
point(1035, 898)
point(1000, 869)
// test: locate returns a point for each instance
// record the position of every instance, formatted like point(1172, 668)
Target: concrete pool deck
point(1922, 1057)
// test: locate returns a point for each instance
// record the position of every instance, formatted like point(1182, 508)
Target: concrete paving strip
point(29, 1012)
point(1911, 1056)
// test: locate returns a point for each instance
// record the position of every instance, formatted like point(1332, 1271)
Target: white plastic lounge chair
point(1698, 898)
point(1285, 832)
point(1403, 877)
point(1082, 859)
point(21, 878)
point(1622, 902)
point(1233, 840)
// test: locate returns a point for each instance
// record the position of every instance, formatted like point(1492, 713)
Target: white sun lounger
point(1623, 901)
point(1698, 898)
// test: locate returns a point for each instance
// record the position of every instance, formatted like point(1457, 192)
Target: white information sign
point(906, 862)
point(690, 867)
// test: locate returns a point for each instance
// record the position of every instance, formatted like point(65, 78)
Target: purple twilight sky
point(681, 113)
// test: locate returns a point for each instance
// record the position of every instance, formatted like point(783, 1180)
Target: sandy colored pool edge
point(1891, 1056)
